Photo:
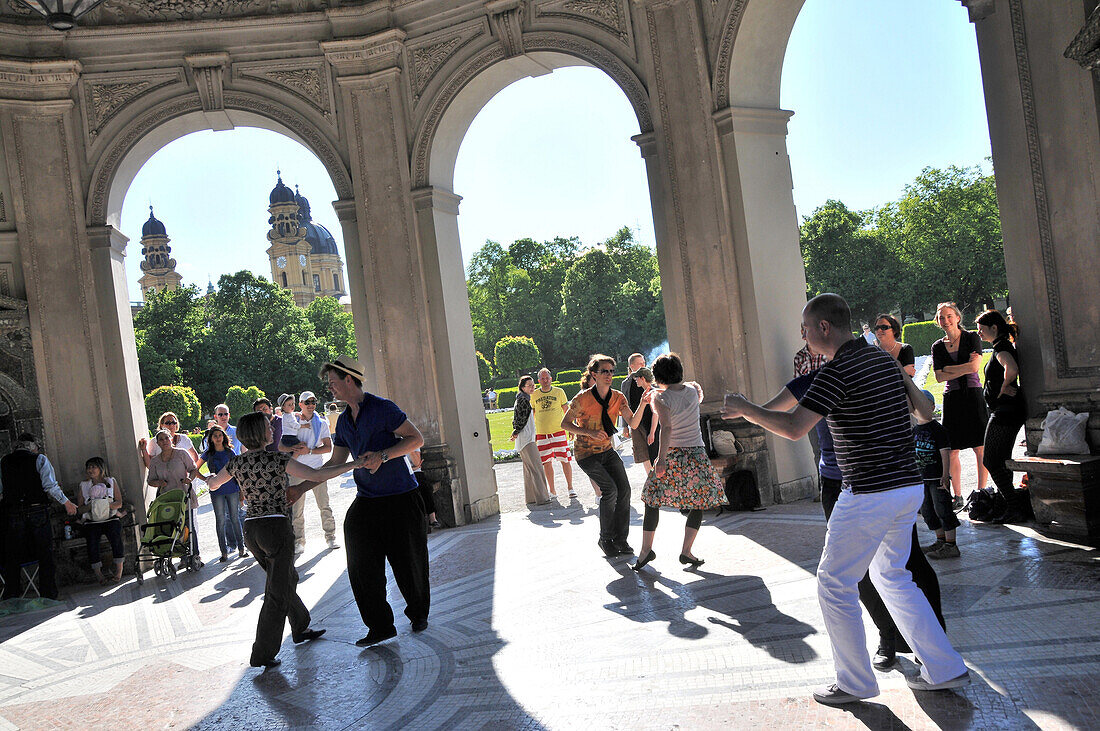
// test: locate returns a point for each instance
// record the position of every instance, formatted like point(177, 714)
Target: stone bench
point(1065, 492)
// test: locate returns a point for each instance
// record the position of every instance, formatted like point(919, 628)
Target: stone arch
point(149, 131)
point(465, 91)
point(749, 64)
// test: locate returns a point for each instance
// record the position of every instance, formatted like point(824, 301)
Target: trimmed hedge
point(921, 335)
point(181, 400)
point(568, 376)
point(506, 397)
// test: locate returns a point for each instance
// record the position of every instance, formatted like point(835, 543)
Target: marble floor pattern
point(532, 628)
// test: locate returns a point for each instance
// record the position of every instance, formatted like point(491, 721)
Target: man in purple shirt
point(386, 521)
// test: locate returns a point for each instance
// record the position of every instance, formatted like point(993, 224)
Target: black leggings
point(1000, 438)
point(653, 514)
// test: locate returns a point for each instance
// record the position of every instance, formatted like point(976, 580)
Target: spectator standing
point(549, 403)
point(262, 476)
point(424, 485)
point(226, 500)
point(868, 335)
point(386, 521)
point(888, 337)
point(523, 434)
point(173, 469)
point(27, 483)
point(650, 425)
point(591, 418)
point(221, 419)
point(633, 395)
point(934, 461)
point(862, 392)
point(633, 391)
point(100, 486)
point(169, 422)
point(956, 359)
point(1008, 411)
point(682, 476)
point(314, 436)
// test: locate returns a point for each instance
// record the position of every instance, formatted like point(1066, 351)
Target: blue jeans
point(227, 521)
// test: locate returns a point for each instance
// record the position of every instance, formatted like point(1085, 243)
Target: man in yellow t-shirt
point(549, 404)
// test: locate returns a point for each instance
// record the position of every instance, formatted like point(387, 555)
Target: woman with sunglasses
point(171, 469)
point(169, 422)
point(591, 418)
point(956, 359)
point(887, 333)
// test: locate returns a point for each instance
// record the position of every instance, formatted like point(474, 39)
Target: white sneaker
point(299, 549)
point(832, 695)
point(917, 682)
point(332, 544)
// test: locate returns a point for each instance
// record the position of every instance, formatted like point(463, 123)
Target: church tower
point(160, 269)
point(324, 256)
point(289, 251)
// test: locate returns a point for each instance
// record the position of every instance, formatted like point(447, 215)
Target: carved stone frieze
point(610, 16)
point(1085, 47)
point(506, 21)
point(305, 78)
point(105, 95)
point(3, 211)
point(727, 35)
point(425, 56)
point(116, 12)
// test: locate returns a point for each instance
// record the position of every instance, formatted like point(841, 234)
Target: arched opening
point(447, 172)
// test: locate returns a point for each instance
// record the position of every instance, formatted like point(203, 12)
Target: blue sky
point(880, 89)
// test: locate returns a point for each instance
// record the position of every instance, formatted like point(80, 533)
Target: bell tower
point(289, 251)
point(160, 269)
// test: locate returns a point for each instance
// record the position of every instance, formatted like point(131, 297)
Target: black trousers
point(271, 541)
point(923, 576)
point(395, 529)
point(937, 510)
point(27, 537)
point(1000, 437)
point(606, 470)
point(94, 531)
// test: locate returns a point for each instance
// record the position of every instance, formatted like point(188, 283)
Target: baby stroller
point(167, 535)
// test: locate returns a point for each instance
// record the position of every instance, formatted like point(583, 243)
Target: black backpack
point(741, 491)
point(985, 505)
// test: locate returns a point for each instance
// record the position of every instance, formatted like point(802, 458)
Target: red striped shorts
point(553, 447)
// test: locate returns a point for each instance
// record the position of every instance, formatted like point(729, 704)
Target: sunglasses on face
point(221, 414)
point(171, 422)
point(311, 402)
point(883, 327)
point(605, 371)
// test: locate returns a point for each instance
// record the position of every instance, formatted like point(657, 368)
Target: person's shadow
point(743, 605)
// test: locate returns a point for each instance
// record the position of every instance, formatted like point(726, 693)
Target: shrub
point(568, 376)
point(484, 370)
point(178, 399)
point(506, 397)
point(514, 355)
point(239, 400)
point(921, 335)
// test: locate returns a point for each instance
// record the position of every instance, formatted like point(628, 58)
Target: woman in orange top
point(591, 419)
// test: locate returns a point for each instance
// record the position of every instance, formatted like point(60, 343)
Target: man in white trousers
point(863, 394)
point(314, 436)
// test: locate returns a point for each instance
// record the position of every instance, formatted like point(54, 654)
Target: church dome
point(153, 227)
point(319, 238)
point(280, 193)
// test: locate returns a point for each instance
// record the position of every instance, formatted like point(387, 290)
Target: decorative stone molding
point(117, 12)
point(752, 120)
point(583, 49)
point(425, 56)
point(105, 95)
point(305, 78)
point(506, 21)
point(610, 16)
point(980, 9)
point(3, 211)
point(1042, 204)
point(1085, 47)
point(436, 199)
point(727, 36)
point(209, 72)
point(357, 56)
point(37, 80)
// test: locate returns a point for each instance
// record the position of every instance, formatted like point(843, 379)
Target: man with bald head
point(549, 403)
point(865, 397)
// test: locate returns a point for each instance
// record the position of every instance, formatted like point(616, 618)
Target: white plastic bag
point(1064, 433)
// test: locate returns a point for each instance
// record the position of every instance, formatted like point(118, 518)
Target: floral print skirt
point(690, 482)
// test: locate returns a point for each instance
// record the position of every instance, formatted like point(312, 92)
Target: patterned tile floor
point(532, 628)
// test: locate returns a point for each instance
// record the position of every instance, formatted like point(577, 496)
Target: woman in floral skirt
point(682, 476)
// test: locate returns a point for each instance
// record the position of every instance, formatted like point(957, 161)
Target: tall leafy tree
point(167, 329)
point(332, 326)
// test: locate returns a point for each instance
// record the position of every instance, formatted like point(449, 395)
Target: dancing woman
point(682, 476)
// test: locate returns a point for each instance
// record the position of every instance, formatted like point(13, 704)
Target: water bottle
point(68, 532)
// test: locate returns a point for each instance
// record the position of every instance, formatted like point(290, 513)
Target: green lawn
point(937, 388)
point(500, 428)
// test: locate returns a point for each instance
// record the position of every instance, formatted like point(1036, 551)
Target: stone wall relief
point(117, 12)
point(20, 409)
point(104, 95)
point(307, 79)
point(609, 16)
point(427, 55)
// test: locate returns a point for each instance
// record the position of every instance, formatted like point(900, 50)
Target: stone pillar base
point(451, 509)
point(750, 438)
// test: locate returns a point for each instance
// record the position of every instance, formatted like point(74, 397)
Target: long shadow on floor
point(742, 604)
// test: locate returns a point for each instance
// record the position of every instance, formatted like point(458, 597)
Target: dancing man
point(862, 392)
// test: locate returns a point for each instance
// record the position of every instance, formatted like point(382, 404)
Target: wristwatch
point(383, 456)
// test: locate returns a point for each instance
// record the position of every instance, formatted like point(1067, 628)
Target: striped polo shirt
point(862, 396)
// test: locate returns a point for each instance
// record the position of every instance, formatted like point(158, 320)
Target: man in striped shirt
point(862, 393)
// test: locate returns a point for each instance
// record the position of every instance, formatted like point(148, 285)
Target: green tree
point(240, 400)
point(514, 355)
point(180, 400)
point(256, 335)
point(843, 255)
point(484, 369)
point(166, 330)
point(946, 230)
point(332, 326)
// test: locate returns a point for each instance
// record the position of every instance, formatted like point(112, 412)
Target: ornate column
point(707, 277)
point(349, 225)
point(84, 353)
point(404, 294)
point(760, 204)
point(1045, 136)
